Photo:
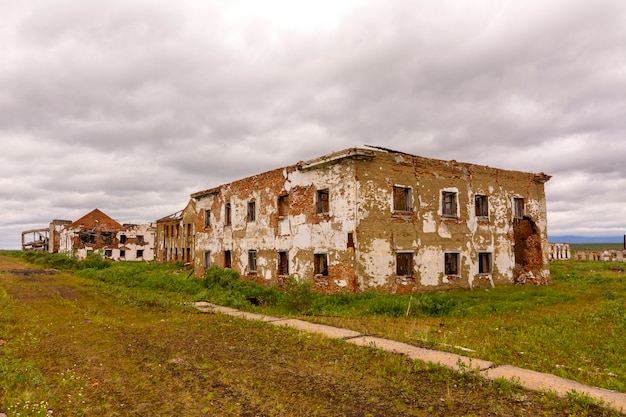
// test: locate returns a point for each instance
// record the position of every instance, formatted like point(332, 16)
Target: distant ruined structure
point(94, 232)
point(559, 251)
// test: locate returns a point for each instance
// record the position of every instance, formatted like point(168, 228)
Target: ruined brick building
point(97, 232)
point(364, 219)
point(176, 235)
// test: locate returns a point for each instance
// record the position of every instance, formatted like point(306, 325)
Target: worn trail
point(528, 379)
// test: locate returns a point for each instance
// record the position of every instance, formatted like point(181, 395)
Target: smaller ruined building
point(559, 251)
point(44, 239)
point(97, 232)
point(369, 219)
point(175, 235)
point(615, 255)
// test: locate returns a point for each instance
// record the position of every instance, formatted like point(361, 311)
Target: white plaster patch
point(341, 283)
point(429, 225)
point(431, 265)
point(444, 231)
point(376, 261)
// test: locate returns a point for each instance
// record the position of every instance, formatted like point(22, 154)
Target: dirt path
point(528, 379)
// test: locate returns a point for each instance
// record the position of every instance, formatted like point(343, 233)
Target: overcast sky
point(131, 106)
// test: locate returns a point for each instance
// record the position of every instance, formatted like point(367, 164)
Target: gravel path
point(528, 379)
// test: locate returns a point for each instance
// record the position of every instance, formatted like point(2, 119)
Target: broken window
point(451, 263)
point(87, 236)
point(207, 218)
point(484, 263)
point(252, 261)
point(107, 237)
point(404, 264)
point(320, 266)
point(227, 215)
point(283, 205)
point(108, 253)
point(401, 198)
point(227, 259)
point(322, 201)
point(139, 239)
point(283, 263)
point(481, 206)
point(448, 204)
point(518, 207)
point(122, 239)
point(251, 211)
point(139, 253)
point(207, 258)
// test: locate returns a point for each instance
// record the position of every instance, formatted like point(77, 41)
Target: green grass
point(94, 346)
point(595, 246)
point(575, 327)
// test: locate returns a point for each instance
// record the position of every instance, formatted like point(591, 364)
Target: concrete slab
point(451, 360)
point(213, 308)
point(539, 381)
point(329, 331)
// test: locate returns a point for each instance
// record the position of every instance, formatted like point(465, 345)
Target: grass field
point(595, 246)
point(121, 340)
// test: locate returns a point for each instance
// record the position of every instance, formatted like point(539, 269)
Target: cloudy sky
point(130, 106)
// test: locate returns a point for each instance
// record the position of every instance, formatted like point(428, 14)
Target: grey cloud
point(131, 107)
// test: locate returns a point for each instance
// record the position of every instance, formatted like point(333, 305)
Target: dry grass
point(79, 347)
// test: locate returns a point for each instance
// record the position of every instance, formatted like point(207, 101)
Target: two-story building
point(365, 219)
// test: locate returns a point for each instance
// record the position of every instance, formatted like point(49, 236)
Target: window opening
point(401, 199)
point(251, 211)
point(108, 253)
point(404, 264)
point(481, 205)
point(227, 259)
point(107, 237)
point(322, 201)
point(283, 263)
point(283, 205)
point(139, 253)
point(518, 206)
point(139, 239)
point(321, 264)
point(207, 218)
point(122, 239)
point(452, 264)
point(227, 215)
point(122, 253)
point(207, 259)
point(448, 208)
point(87, 236)
point(484, 263)
point(252, 261)
point(350, 240)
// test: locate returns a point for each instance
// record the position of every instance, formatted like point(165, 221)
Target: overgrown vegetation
point(574, 327)
point(117, 342)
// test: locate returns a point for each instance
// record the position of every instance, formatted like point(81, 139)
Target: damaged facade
point(44, 239)
point(97, 232)
point(175, 235)
point(363, 219)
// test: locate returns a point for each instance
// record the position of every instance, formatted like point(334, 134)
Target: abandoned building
point(97, 232)
point(559, 251)
point(44, 239)
point(611, 255)
point(175, 235)
point(369, 219)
